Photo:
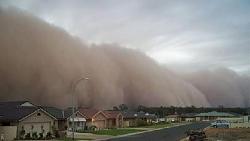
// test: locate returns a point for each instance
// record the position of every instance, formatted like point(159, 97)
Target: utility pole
point(73, 88)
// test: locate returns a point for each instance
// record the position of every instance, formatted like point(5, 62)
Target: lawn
point(116, 132)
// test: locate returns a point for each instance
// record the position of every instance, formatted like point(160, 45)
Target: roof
point(131, 114)
point(55, 112)
point(88, 113)
point(68, 112)
point(188, 115)
point(215, 114)
point(15, 110)
point(111, 114)
point(172, 116)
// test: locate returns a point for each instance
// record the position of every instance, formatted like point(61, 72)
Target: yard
point(116, 132)
point(229, 134)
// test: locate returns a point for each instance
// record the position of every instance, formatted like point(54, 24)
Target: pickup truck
point(220, 124)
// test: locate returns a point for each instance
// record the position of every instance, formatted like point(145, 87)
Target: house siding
point(36, 121)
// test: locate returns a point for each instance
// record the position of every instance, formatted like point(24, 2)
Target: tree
point(123, 107)
point(115, 108)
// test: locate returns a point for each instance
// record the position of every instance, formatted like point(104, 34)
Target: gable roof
point(188, 115)
point(89, 113)
point(173, 116)
point(215, 114)
point(55, 112)
point(129, 114)
point(112, 114)
point(38, 110)
point(132, 114)
point(14, 110)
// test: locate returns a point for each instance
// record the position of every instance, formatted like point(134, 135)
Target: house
point(79, 119)
point(59, 122)
point(239, 121)
point(148, 118)
point(160, 120)
point(64, 118)
point(212, 116)
point(188, 117)
point(114, 119)
point(24, 118)
point(173, 118)
point(129, 119)
point(94, 118)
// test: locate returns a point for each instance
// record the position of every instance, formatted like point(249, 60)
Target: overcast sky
point(181, 34)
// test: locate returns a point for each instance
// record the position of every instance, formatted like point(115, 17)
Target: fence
point(9, 132)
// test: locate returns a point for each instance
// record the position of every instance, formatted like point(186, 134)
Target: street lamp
point(73, 88)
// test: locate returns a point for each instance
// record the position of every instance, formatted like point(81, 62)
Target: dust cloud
point(222, 86)
point(39, 61)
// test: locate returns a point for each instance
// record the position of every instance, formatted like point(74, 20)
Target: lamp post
point(73, 88)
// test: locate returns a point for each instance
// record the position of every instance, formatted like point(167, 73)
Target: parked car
point(220, 124)
point(196, 135)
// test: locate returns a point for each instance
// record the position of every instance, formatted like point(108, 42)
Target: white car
point(220, 124)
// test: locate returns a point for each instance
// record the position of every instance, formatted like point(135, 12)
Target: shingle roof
point(188, 115)
point(87, 112)
point(131, 114)
point(215, 114)
point(111, 114)
point(13, 111)
point(173, 116)
point(55, 112)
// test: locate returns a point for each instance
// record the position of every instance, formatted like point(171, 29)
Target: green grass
point(116, 132)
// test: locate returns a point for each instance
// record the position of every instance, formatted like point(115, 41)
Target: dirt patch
point(231, 134)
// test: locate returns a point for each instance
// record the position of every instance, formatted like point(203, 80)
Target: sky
point(180, 34)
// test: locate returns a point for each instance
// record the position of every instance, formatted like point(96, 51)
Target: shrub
point(40, 136)
point(56, 133)
point(92, 128)
point(34, 135)
point(142, 122)
point(49, 135)
point(22, 133)
point(27, 136)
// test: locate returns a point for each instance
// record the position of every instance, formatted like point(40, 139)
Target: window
point(38, 114)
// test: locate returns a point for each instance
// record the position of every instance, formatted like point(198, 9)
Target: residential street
point(167, 134)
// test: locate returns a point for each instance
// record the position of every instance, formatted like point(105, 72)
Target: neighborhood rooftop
point(16, 110)
point(215, 114)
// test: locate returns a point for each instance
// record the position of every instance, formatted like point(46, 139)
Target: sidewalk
point(88, 136)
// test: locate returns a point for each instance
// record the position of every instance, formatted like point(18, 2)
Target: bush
point(27, 136)
point(92, 128)
point(22, 133)
point(49, 135)
point(142, 123)
point(56, 133)
point(40, 136)
point(34, 135)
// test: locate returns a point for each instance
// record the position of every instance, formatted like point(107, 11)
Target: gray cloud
point(38, 61)
point(212, 33)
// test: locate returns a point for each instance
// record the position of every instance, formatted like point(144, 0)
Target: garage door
point(100, 124)
point(37, 127)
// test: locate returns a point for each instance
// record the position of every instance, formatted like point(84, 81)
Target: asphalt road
point(167, 134)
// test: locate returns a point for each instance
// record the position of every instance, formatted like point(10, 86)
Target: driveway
point(167, 134)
